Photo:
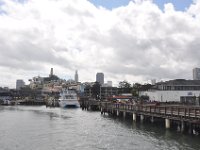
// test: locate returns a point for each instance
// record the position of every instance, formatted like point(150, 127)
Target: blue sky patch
point(180, 5)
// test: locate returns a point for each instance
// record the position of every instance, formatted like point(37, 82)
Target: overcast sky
point(135, 40)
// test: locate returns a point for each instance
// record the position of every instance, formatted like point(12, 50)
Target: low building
point(108, 91)
point(108, 84)
point(179, 90)
point(5, 96)
point(99, 91)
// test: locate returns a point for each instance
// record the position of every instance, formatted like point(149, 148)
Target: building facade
point(19, 84)
point(100, 78)
point(104, 92)
point(196, 74)
point(108, 84)
point(179, 90)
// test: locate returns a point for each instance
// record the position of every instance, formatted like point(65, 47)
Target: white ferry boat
point(68, 98)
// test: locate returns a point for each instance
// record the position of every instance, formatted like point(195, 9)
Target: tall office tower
point(76, 76)
point(51, 72)
point(19, 84)
point(100, 78)
point(196, 74)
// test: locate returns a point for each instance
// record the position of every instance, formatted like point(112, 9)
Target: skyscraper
point(19, 84)
point(196, 74)
point(100, 78)
point(76, 76)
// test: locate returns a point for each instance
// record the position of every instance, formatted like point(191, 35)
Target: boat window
point(70, 97)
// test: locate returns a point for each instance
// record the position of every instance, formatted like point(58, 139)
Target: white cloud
point(136, 42)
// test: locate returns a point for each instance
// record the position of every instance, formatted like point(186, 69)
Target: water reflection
point(157, 134)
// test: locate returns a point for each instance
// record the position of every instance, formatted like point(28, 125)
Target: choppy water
point(41, 128)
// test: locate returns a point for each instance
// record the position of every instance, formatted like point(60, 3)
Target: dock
point(184, 118)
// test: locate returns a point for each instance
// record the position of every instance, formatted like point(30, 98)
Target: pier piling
point(167, 123)
point(124, 114)
point(141, 118)
point(134, 117)
point(182, 126)
point(152, 119)
point(117, 113)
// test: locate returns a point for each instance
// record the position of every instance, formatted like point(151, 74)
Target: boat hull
point(68, 103)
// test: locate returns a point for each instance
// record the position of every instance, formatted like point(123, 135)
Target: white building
point(108, 84)
point(179, 90)
point(19, 84)
point(196, 74)
point(153, 81)
point(36, 82)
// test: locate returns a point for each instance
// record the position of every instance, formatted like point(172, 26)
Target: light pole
point(100, 92)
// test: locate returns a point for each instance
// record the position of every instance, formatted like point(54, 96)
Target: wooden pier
point(184, 117)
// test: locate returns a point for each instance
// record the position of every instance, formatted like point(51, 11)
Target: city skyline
point(135, 40)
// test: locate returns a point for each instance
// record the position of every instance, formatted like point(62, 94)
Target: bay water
point(41, 128)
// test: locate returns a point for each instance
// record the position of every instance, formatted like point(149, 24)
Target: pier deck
point(183, 113)
point(184, 116)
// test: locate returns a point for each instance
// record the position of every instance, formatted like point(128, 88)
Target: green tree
point(96, 89)
point(136, 89)
point(146, 87)
point(124, 84)
point(124, 87)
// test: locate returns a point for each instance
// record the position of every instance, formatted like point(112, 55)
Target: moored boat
point(68, 98)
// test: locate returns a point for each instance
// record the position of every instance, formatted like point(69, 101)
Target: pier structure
point(28, 102)
point(184, 118)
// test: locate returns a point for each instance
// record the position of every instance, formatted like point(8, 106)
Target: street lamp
point(100, 92)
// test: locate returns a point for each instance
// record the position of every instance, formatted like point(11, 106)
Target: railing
point(186, 112)
point(172, 111)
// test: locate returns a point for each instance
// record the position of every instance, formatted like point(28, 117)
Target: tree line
point(134, 88)
point(123, 87)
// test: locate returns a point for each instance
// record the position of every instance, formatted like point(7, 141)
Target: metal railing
point(176, 111)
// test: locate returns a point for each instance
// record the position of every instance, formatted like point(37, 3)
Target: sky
point(136, 40)
point(179, 5)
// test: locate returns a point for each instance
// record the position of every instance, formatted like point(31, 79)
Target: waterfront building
point(108, 92)
point(179, 90)
point(5, 95)
point(100, 78)
point(76, 76)
point(104, 92)
point(196, 74)
point(19, 84)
